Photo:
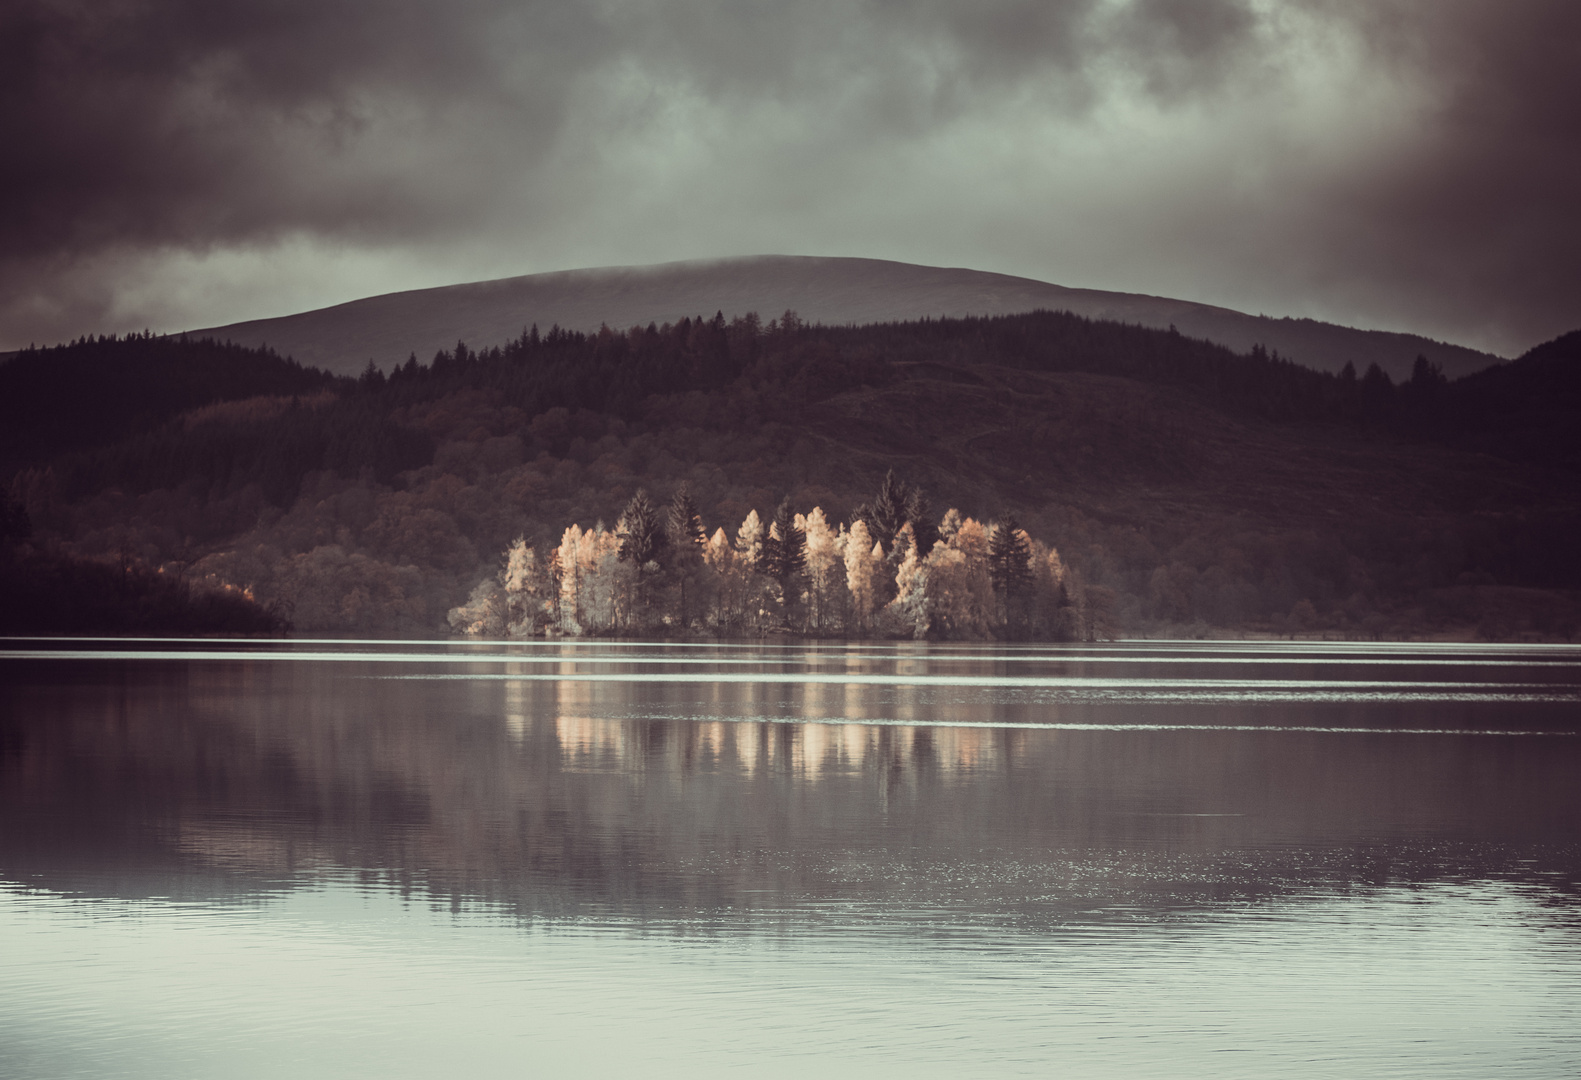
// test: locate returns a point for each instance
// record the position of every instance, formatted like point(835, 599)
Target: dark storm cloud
point(202, 121)
point(138, 129)
point(1478, 219)
point(196, 121)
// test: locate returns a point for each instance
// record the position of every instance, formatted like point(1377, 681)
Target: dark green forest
point(1184, 488)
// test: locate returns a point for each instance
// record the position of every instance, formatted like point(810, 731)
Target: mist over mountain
point(832, 291)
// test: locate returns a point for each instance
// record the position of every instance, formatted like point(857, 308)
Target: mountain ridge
point(387, 328)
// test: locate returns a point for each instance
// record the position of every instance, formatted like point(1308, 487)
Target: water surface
point(397, 859)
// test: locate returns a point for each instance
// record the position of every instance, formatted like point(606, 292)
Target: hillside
point(1186, 487)
point(832, 291)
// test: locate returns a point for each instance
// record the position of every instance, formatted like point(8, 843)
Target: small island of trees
point(893, 571)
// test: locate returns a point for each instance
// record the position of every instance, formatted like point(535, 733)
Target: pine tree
point(642, 541)
point(372, 379)
point(1009, 559)
point(688, 541)
point(919, 514)
point(887, 513)
point(685, 525)
point(784, 555)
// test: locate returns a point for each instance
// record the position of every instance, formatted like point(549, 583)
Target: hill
point(832, 291)
point(95, 391)
point(1184, 486)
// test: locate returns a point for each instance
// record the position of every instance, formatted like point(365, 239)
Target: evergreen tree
point(1009, 559)
point(784, 553)
point(688, 542)
point(684, 524)
point(642, 538)
point(887, 512)
point(919, 514)
point(642, 541)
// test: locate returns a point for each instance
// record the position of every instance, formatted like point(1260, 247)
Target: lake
point(1214, 859)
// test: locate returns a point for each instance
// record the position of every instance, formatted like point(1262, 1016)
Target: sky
point(1400, 164)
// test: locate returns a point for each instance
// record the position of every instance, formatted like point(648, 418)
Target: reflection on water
point(354, 858)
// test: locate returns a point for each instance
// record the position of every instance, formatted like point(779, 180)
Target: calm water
point(414, 859)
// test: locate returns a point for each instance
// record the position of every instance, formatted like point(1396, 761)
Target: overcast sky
point(1407, 164)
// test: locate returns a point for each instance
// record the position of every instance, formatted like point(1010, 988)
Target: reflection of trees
point(553, 793)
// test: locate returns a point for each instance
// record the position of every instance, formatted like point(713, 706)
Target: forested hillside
point(1178, 486)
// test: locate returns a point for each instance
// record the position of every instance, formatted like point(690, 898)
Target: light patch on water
point(851, 721)
point(1467, 980)
point(809, 654)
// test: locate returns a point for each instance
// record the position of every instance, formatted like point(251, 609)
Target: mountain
point(834, 291)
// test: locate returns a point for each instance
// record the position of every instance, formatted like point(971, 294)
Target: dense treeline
point(49, 593)
point(1195, 487)
point(96, 391)
point(274, 448)
point(615, 373)
point(1528, 410)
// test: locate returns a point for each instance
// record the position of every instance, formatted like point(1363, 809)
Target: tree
point(784, 554)
point(909, 610)
point(749, 540)
point(569, 558)
point(752, 543)
point(721, 558)
point(887, 512)
point(684, 524)
point(606, 583)
point(687, 542)
point(1009, 563)
point(483, 615)
point(949, 525)
point(642, 537)
point(530, 588)
point(864, 558)
point(642, 540)
point(919, 515)
point(946, 594)
point(826, 591)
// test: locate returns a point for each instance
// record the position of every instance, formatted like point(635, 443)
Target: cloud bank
point(1410, 164)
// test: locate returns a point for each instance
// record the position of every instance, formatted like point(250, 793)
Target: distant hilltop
point(834, 291)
